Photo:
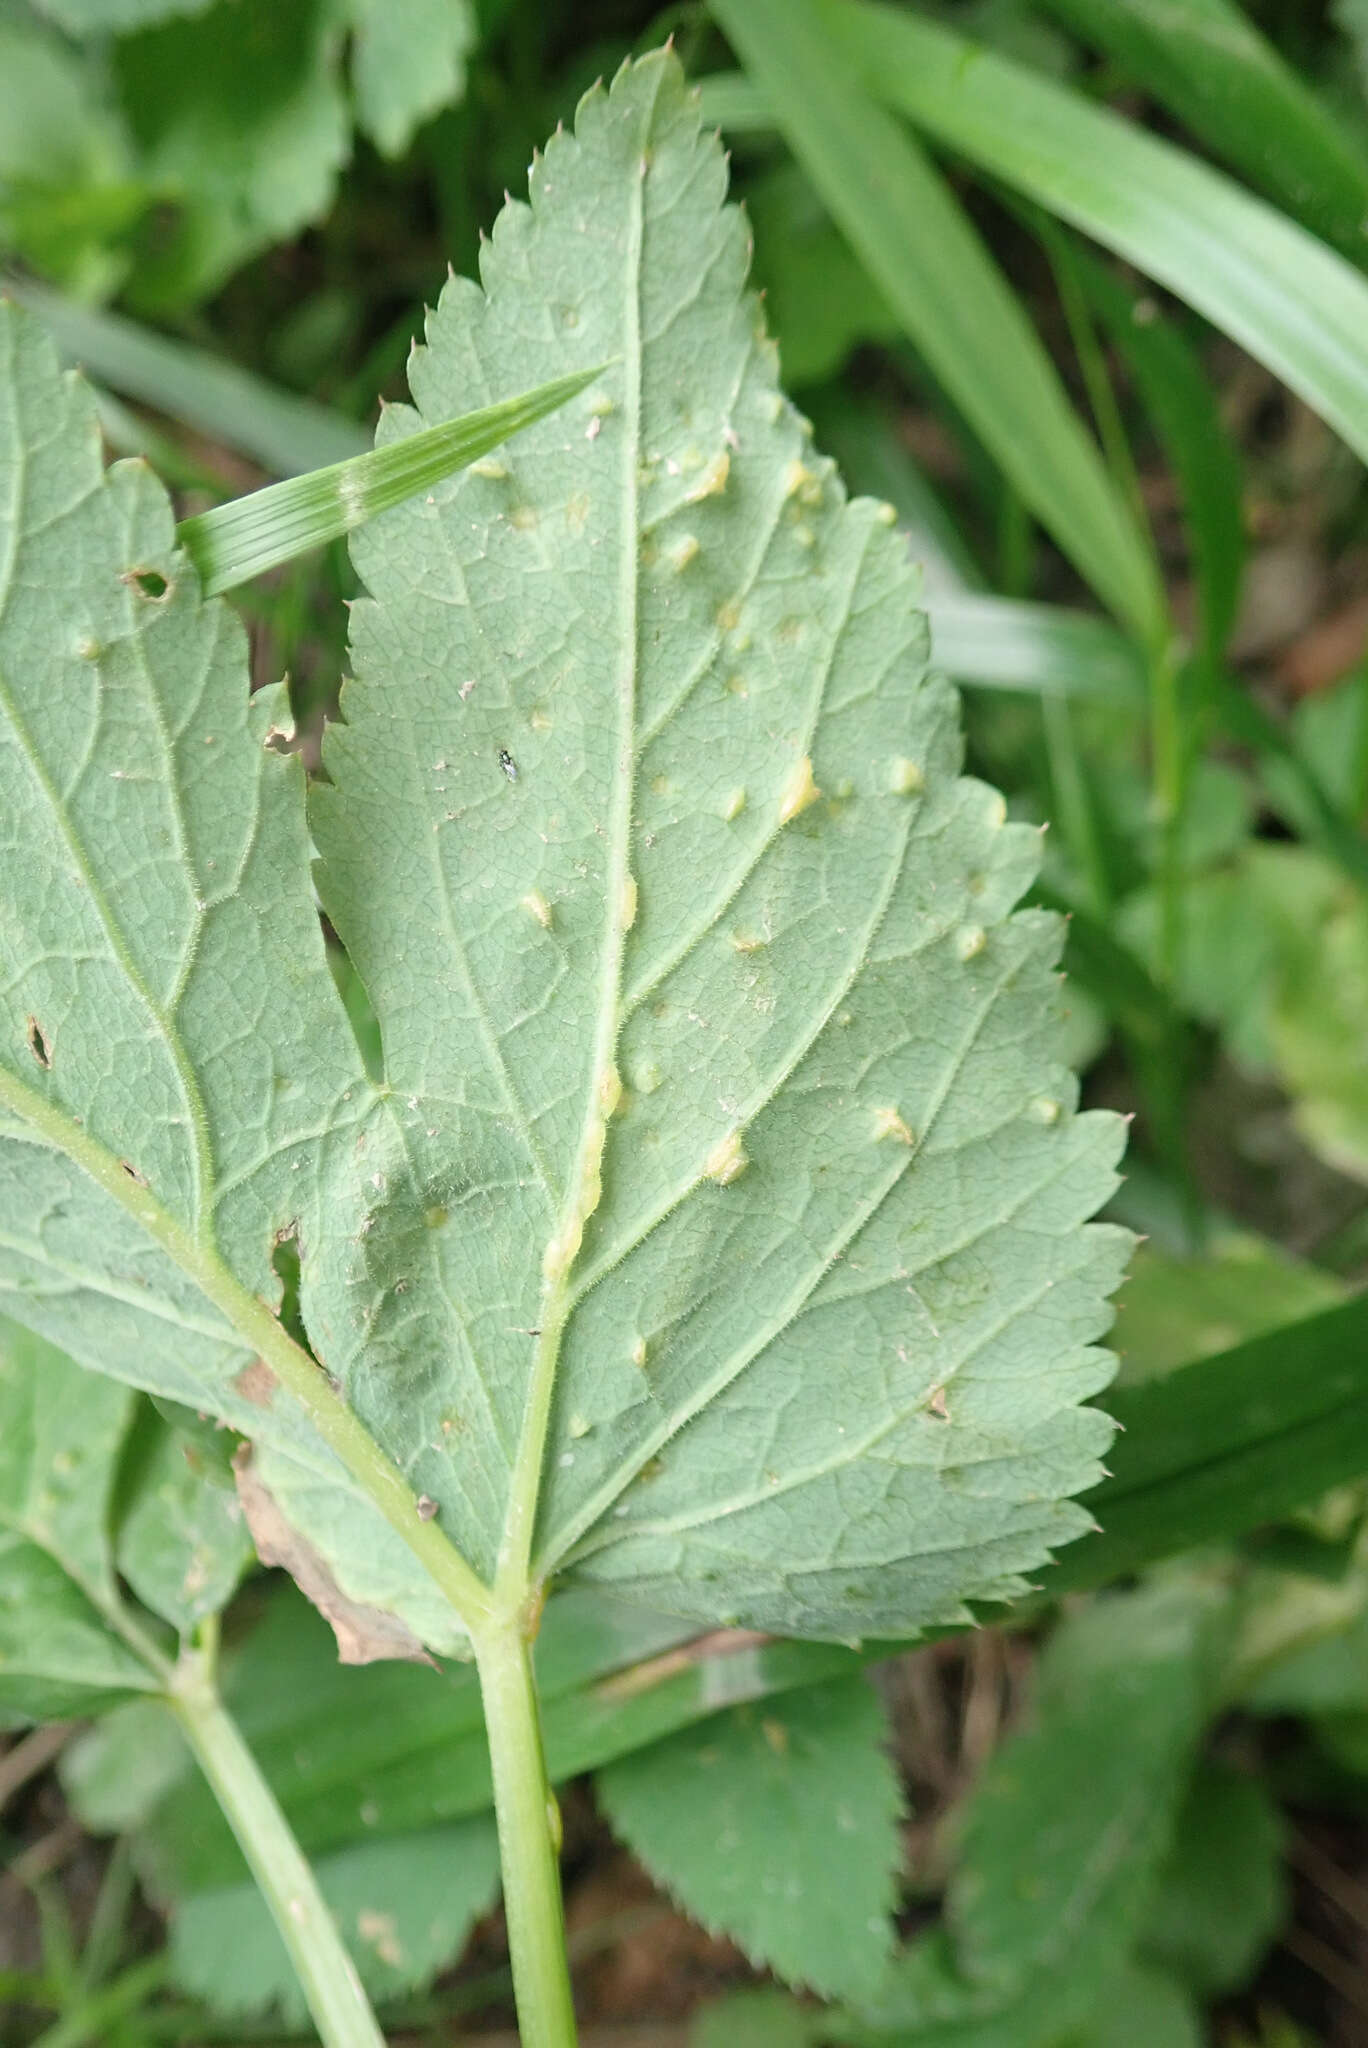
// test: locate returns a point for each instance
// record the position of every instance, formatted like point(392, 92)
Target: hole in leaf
point(285, 1264)
point(151, 584)
point(37, 1043)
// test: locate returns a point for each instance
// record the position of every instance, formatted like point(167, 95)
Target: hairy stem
point(529, 1839)
point(326, 1972)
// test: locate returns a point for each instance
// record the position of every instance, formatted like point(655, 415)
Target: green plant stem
point(326, 1972)
point(529, 1839)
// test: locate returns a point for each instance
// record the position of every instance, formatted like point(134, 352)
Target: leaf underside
point(721, 1130)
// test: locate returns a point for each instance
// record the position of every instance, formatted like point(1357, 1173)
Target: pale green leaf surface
point(407, 63)
point(403, 1906)
point(60, 1434)
point(182, 1544)
point(156, 911)
point(842, 1368)
point(776, 1825)
point(647, 663)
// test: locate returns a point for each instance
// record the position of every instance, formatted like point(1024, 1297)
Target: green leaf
point(777, 1827)
point(114, 1773)
point(1060, 1843)
point(404, 1908)
point(1180, 400)
point(1295, 305)
point(820, 300)
point(182, 1544)
point(1221, 1896)
point(756, 2019)
point(719, 1229)
point(68, 186)
point(1066, 1828)
point(1230, 1443)
point(238, 113)
point(407, 63)
point(287, 434)
point(61, 1651)
point(1004, 643)
point(901, 218)
point(233, 543)
point(1208, 64)
point(106, 17)
point(155, 1143)
point(1176, 1309)
point(628, 611)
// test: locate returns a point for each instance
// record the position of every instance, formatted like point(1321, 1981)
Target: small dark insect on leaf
point(508, 764)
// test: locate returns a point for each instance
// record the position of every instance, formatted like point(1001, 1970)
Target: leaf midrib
point(513, 1573)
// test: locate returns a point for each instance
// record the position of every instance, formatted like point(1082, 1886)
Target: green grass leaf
point(778, 1827)
point(901, 218)
point(233, 543)
point(1003, 643)
point(1209, 65)
point(1229, 1444)
point(286, 434)
point(1295, 305)
point(1182, 405)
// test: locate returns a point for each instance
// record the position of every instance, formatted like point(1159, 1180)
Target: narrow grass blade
point(1291, 302)
point(1208, 64)
point(1223, 1446)
point(285, 434)
point(905, 223)
point(1181, 403)
point(1004, 644)
point(235, 542)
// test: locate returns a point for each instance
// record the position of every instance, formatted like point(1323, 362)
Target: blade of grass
point(908, 228)
point(1209, 65)
point(1179, 399)
point(285, 434)
point(1294, 304)
point(1007, 644)
point(232, 543)
point(1228, 1444)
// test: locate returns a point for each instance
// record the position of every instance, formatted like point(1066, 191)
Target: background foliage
point(1078, 286)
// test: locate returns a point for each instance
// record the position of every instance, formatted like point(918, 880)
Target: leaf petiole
point(326, 1972)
